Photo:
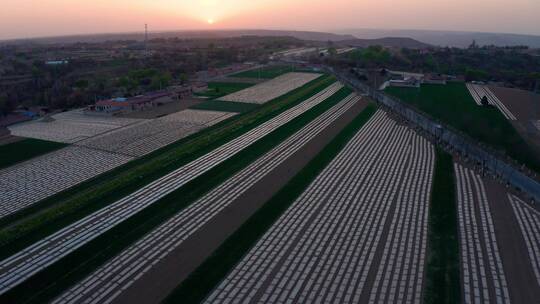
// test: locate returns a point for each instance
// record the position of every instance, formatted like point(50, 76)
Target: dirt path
point(155, 285)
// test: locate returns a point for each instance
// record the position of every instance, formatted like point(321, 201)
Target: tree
point(81, 84)
point(4, 106)
point(475, 74)
point(183, 78)
point(332, 51)
point(159, 82)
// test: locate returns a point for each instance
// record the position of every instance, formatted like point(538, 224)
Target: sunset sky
point(32, 18)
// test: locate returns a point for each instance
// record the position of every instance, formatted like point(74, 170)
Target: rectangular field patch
point(271, 89)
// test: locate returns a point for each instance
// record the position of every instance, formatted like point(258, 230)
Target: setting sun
point(210, 21)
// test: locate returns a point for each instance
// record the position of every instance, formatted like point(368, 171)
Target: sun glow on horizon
point(31, 18)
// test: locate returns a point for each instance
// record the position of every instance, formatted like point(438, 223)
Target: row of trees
point(515, 66)
point(85, 80)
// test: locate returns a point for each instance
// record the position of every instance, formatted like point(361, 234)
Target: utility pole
point(146, 39)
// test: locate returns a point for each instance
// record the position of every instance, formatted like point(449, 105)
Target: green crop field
point(220, 89)
point(452, 104)
point(265, 72)
point(442, 270)
point(13, 153)
point(204, 279)
point(225, 106)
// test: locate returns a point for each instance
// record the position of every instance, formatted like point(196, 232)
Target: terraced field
point(483, 273)
point(70, 127)
point(315, 196)
point(25, 149)
point(34, 258)
point(271, 89)
point(147, 136)
point(319, 249)
point(154, 248)
point(265, 72)
point(39, 178)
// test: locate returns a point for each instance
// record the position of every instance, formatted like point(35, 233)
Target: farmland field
point(19, 151)
point(66, 207)
point(442, 272)
point(214, 269)
point(271, 89)
point(219, 89)
point(221, 173)
point(226, 106)
point(295, 190)
point(452, 104)
point(42, 177)
point(354, 218)
point(265, 72)
point(200, 213)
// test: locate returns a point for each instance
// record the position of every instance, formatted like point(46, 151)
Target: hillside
point(386, 42)
point(202, 34)
point(450, 38)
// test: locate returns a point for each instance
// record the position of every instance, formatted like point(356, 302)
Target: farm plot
point(70, 127)
point(219, 89)
point(268, 72)
point(123, 270)
point(323, 247)
point(147, 136)
point(271, 89)
point(25, 149)
point(24, 264)
point(483, 275)
point(452, 104)
point(29, 182)
point(479, 91)
point(525, 105)
point(529, 224)
point(39, 178)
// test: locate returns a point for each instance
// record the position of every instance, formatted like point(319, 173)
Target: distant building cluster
point(141, 102)
point(414, 80)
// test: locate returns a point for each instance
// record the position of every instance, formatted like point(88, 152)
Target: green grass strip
point(453, 105)
point(57, 278)
point(25, 149)
point(214, 269)
point(442, 270)
point(225, 106)
point(44, 218)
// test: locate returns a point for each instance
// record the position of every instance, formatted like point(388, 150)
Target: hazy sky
point(31, 18)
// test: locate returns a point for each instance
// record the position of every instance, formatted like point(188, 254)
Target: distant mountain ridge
point(401, 42)
point(323, 37)
point(449, 38)
point(191, 34)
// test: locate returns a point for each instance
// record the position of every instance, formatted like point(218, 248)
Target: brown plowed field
point(525, 106)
